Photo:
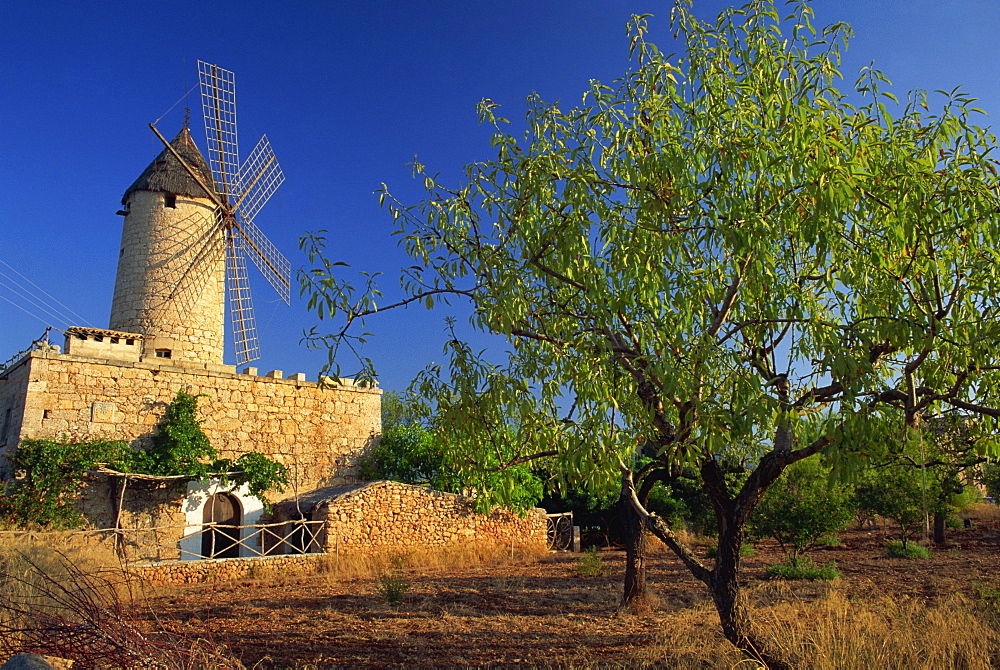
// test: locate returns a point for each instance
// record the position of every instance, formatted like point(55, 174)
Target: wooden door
point(220, 540)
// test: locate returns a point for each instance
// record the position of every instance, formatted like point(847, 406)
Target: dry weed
point(833, 632)
point(66, 595)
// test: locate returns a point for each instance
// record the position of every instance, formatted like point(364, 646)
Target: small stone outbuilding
point(384, 517)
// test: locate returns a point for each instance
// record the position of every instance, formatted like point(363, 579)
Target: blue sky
point(347, 92)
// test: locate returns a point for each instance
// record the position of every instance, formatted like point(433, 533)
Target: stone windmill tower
point(188, 228)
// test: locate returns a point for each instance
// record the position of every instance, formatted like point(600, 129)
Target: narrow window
point(163, 353)
point(6, 426)
point(45, 413)
point(170, 201)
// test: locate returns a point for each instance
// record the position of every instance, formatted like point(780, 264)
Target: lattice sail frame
point(244, 190)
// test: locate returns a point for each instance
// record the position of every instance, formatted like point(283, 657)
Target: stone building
point(166, 333)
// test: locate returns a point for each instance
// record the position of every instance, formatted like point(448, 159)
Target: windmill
point(239, 193)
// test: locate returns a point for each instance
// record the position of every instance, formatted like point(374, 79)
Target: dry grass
point(338, 567)
point(983, 512)
point(832, 632)
point(66, 595)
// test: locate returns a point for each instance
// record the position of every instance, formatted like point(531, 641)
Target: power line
point(64, 314)
point(25, 311)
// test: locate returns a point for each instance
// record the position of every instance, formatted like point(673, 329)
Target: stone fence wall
point(173, 573)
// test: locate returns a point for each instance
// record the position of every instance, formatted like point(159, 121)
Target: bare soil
point(542, 614)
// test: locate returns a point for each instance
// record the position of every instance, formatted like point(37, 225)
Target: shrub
point(591, 563)
point(895, 493)
point(899, 549)
point(801, 508)
point(803, 568)
point(393, 585)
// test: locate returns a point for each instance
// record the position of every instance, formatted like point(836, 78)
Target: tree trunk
point(730, 602)
point(939, 519)
point(635, 597)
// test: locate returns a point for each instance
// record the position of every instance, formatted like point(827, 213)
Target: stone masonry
point(319, 433)
point(390, 516)
point(170, 285)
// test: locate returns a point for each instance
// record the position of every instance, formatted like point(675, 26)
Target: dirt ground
point(542, 614)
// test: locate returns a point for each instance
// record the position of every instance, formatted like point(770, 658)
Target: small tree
point(893, 492)
point(802, 507)
point(990, 478)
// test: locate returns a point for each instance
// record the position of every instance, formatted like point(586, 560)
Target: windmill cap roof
point(167, 174)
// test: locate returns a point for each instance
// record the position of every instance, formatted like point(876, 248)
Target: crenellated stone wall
point(319, 433)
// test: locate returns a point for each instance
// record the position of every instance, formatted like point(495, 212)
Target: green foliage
point(393, 585)
point(991, 480)
point(802, 507)
point(413, 453)
point(900, 549)
point(48, 476)
point(179, 446)
point(590, 564)
point(802, 567)
point(409, 453)
point(895, 493)
point(257, 471)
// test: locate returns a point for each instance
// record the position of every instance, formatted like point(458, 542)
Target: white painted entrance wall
point(194, 510)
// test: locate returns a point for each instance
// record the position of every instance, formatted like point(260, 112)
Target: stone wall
point(386, 516)
point(14, 387)
point(319, 433)
point(225, 569)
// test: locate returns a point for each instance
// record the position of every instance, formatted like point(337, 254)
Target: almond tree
point(695, 260)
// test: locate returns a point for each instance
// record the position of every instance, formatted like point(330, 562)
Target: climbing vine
point(50, 474)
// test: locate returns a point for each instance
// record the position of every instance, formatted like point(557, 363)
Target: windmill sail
point(245, 341)
point(218, 102)
point(243, 190)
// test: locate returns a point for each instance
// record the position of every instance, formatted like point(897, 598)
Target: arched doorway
point(220, 541)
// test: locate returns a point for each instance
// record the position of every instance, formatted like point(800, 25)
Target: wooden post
point(119, 503)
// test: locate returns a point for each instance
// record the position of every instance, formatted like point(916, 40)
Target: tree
point(991, 480)
point(693, 263)
point(413, 453)
point(801, 508)
point(895, 493)
point(921, 473)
